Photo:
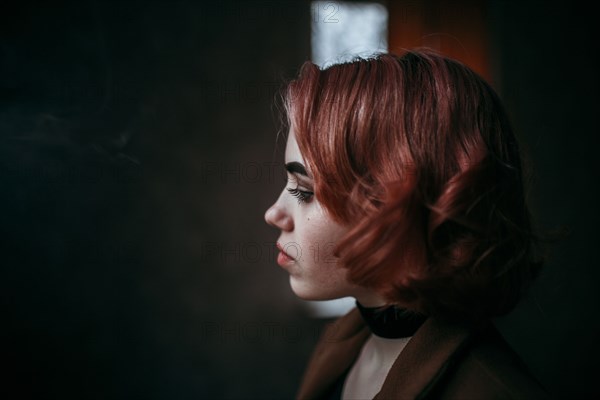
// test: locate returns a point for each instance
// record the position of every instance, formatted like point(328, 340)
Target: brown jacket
point(442, 361)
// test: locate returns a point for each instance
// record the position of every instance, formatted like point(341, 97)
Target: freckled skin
point(309, 235)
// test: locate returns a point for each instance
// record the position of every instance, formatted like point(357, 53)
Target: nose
point(276, 216)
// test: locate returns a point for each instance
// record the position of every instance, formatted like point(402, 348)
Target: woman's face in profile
point(308, 235)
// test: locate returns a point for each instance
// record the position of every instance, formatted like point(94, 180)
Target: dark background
point(138, 154)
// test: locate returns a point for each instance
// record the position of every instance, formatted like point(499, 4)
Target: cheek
point(318, 237)
point(320, 270)
point(323, 254)
point(318, 247)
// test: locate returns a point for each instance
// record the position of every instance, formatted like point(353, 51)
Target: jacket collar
point(427, 357)
point(335, 352)
point(414, 374)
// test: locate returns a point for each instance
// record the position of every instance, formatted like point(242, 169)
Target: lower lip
point(283, 259)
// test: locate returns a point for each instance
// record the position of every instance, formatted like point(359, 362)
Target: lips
point(283, 258)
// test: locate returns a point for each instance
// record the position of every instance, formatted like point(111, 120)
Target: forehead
point(292, 152)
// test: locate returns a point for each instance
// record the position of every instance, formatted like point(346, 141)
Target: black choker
point(391, 322)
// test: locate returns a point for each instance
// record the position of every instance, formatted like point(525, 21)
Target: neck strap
point(391, 322)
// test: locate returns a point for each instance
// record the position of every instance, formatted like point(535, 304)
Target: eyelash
point(302, 195)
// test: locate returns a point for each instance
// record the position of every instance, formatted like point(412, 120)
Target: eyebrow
point(296, 167)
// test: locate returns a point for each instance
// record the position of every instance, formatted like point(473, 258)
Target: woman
point(405, 191)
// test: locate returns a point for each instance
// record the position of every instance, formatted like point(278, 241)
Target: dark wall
point(136, 150)
point(547, 62)
point(138, 154)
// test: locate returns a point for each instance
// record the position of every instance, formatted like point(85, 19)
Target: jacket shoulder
point(490, 369)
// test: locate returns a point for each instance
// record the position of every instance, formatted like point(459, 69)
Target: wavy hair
point(415, 154)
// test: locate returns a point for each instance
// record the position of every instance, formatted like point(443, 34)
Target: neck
point(384, 350)
point(371, 300)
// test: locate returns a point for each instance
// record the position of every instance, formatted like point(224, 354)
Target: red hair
point(416, 154)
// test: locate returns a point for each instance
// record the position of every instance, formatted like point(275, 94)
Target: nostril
point(286, 223)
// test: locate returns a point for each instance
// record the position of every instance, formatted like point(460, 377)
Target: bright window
point(342, 30)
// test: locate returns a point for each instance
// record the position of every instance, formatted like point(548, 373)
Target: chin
point(309, 292)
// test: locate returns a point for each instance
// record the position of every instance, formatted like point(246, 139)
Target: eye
point(302, 195)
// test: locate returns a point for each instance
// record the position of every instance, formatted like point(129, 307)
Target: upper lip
point(280, 247)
